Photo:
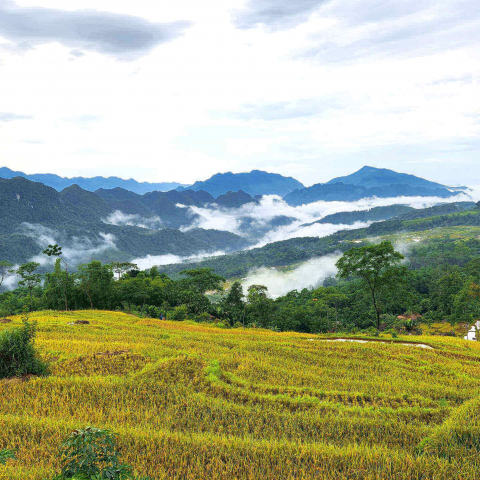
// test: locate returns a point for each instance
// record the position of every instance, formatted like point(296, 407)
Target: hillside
point(330, 192)
point(296, 250)
point(90, 184)
point(24, 201)
point(376, 214)
point(254, 183)
point(382, 177)
point(171, 206)
point(33, 215)
point(402, 212)
point(194, 401)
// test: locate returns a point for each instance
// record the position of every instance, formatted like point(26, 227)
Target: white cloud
point(310, 274)
point(386, 69)
point(75, 249)
point(119, 218)
point(149, 261)
point(271, 206)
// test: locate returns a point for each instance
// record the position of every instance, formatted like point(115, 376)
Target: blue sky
point(179, 90)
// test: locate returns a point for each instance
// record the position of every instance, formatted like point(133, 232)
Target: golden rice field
point(195, 402)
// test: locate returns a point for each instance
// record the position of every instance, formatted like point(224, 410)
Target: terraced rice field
point(194, 402)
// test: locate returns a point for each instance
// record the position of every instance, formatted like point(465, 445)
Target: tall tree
point(123, 267)
point(259, 305)
point(201, 280)
point(96, 281)
point(56, 251)
point(5, 269)
point(29, 279)
point(377, 266)
point(233, 304)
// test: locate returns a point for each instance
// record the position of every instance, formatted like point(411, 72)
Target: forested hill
point(330, 192)
point(297, 250)
point(32, 215)
point(402, 212)
point(22, 200)
point(171, 207)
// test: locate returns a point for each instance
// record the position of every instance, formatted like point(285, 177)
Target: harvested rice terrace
point(191, 401)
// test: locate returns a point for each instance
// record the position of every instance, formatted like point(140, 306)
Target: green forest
point(437, 280)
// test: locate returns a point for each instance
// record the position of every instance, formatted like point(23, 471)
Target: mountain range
point(161, 223)
point(90, 184)
point(367, 182)
point(33, 215)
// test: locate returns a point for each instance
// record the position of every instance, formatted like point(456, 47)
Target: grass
point(191, 401)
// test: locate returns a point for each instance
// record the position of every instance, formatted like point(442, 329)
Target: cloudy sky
point(181, 89)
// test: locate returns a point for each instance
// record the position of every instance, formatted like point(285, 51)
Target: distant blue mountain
point(382, 177)
point(254, 183)
point(370, 182)
point(91, 184)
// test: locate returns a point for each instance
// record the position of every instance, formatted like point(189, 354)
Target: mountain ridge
point(256, 182)
point(381, 177)
point(89, 183)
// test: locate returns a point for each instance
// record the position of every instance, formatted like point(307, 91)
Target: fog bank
point(310, 274)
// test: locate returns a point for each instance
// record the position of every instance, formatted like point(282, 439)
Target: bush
point(17, 352)
point(6, 455)
point(91, 454)
point(203, 318)
point(220, 325)
point(179, 313)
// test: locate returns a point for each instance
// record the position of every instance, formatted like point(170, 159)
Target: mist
point(310, 274)
point(124, 219)
point(272, 206)
point(144, 263)
point(75, 250)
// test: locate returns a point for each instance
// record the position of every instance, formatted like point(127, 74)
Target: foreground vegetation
point(193, 401)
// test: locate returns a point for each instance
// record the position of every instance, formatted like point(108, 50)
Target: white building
point(472, 333)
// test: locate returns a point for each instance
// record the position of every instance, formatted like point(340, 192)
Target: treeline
point(440, 281)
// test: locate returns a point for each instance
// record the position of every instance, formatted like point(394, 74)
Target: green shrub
point(179, 313)
point(6, 455)
point(91, 454)
point(203, 318)
point(17, 352)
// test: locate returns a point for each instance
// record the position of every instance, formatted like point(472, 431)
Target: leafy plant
point(92, 454)
point(18, 356)
point(6, 455)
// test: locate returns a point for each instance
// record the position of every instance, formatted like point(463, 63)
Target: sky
point(179, 90)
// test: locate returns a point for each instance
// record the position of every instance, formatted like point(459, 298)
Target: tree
point(467, 302)
point(123, 267)
point(96, 281)
point(30, 279)
point(56, 251)
point(377, 266)
point(201, 280)
point(259, 305)
point(5, 268)
point(331, 299)
point(233, 304)
point(54, 287)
